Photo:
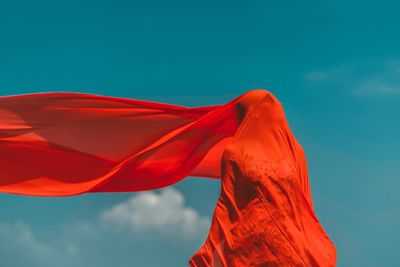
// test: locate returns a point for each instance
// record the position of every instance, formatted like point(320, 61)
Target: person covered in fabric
point(264, 215)
point(61, 144)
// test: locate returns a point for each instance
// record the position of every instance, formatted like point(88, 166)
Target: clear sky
point(334, 65)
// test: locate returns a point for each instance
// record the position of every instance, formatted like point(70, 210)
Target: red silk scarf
point(61, 144)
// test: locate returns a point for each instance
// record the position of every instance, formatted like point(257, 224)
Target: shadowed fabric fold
point(60, 144)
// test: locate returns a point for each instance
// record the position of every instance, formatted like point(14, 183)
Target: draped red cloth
point(60, 144)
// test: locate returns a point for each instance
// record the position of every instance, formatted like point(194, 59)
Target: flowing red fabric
point(60, 144)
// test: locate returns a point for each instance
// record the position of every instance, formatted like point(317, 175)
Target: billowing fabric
point(60, 144)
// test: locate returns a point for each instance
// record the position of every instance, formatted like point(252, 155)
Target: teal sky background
point(334, 65)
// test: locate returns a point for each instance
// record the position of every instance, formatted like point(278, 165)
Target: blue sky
point(334, 65)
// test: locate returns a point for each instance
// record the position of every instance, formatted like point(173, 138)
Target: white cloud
point(164, 213)
point(317, 76)
point(150, 216)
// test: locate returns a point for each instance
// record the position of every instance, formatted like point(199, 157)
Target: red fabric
point(59, 144)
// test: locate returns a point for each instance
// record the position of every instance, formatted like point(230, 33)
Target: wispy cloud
point(317, 76)
point(376, 89)
point(17, 239)
point(164, 213)
point(361, 79)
